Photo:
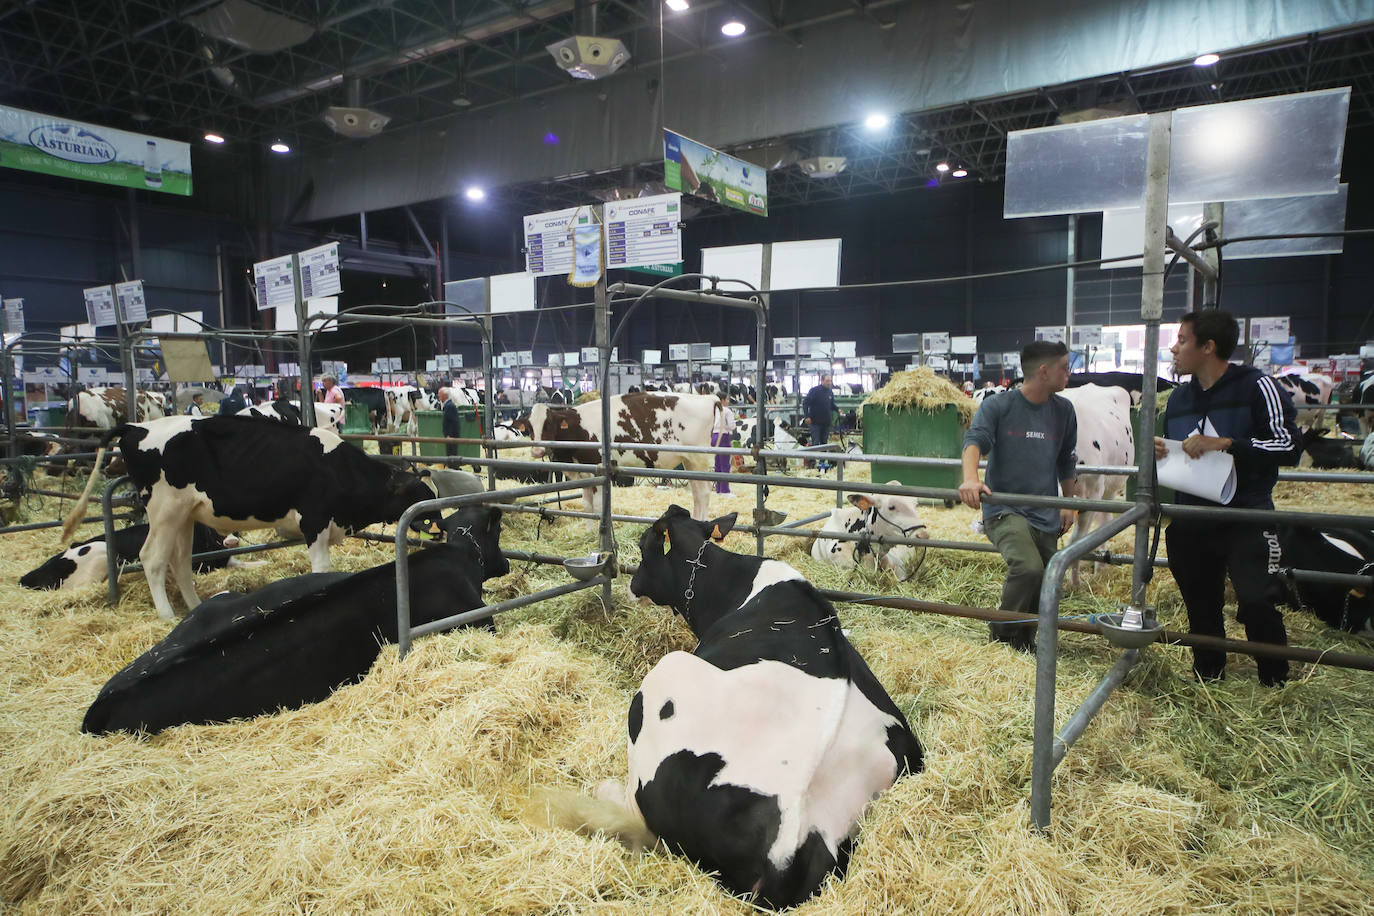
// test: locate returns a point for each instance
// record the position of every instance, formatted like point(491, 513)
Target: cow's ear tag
point(717, 534)
point(1357, 593)
point(563, 424)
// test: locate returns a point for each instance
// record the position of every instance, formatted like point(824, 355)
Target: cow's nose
point(923, 533)
point(536, 452)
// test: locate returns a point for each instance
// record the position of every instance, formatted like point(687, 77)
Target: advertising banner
point(695, 168)
point(72, 149)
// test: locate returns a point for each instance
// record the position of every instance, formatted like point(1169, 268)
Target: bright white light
point(732, 29)
point(877, 121)
point(942, 167)
point(1206, 60)
point(280, 147)
point(213, 138)
point(677, 6)
point(959, 173)
point(475, 193)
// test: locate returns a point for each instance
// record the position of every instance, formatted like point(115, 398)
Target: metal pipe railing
point(1047, 654)
point(404, 633)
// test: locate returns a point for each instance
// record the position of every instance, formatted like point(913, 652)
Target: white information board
point(652, 357)
point(572, 358)
point(845, 349)
point(799, 265)
point(590, 355)
point(14, 316)
point(1273, 330)
point(964, 346)
point(1085, 335)
point(320, 271)
point(100, 305)
point(644, 231)
point(526, 357)
point(734, 262)
point(548, 241)
point(555, 360)
point(132, 307)
point(720, 353)
point(455, 360)
point(784, 346)
point(679, 351)
point(739, 352)
point(1054, 333)
point(512, 293)
point(937, 342)
point(274, 283)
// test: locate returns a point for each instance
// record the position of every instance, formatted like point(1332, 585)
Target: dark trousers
point(1026, 549)
point(820, 435)
point(1202, 553)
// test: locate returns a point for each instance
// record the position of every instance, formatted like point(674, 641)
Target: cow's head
point(403, 490)
point(890, 515)
point(533, 426)
point(78, 565)
point(667, 549)
point(478, 527)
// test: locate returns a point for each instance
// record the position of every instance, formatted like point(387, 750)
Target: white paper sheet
point(1213, 476)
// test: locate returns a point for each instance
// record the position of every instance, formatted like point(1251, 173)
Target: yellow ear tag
point(1357, 592)
point(716, 535)
point(563, 425)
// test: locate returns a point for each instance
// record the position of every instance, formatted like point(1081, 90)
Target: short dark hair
point(1039, 352)
point(1221, 328)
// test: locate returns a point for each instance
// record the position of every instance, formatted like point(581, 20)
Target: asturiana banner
point(54, 146)
point(694, 168)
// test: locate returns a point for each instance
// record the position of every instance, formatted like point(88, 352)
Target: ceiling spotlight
point(733, 28)
point(475, 193)
point(959, 173)
point(677, 6)
point(877, 121)
point(462, 101)
point(280, 147)
point(588, 57)
point(942, 167)
point(1206, 60)
point(213, 138)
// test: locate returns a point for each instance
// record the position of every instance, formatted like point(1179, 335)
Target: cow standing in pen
point(663, 420)
point(239, 473)
point(755, 755)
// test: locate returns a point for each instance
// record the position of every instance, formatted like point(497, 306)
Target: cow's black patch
point(1096, 446)
point(636, 717)
point(666, 710)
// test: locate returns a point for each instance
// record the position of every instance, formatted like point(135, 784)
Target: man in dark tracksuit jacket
point(1240, 410)
point(453, 422)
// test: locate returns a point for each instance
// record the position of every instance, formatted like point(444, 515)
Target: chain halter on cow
point(690, 593)
point(466, 531)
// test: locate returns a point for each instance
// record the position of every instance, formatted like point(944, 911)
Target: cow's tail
point(73, 520)
point(589, 816)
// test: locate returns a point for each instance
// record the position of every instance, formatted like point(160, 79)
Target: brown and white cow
point(1309, 389)
point(106, 408)
point(1105, 438)
point(666, 420)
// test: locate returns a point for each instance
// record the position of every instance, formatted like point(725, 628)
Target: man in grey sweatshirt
point(1032, 435)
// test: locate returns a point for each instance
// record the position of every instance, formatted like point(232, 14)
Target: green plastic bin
point(431, 424)
point(55, 416)
point(357, 420)
point(917, 434)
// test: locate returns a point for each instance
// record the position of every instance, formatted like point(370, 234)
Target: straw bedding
point(403, 794)
point(922, 389)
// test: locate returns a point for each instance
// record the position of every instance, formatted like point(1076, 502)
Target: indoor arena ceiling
point(172, 68)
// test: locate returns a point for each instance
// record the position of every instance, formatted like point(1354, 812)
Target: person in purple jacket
point(1240, 410)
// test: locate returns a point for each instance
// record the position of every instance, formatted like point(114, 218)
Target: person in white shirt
point(722, 431)
point(197, 401)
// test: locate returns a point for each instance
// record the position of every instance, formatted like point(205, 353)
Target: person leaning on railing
point(1030, 436)
point(1240, 410)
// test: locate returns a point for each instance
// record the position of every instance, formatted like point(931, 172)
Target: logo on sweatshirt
point(1034, 434)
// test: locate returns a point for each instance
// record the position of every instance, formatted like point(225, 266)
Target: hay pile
point(921, 389)
point(588, 396)
point(403, 793)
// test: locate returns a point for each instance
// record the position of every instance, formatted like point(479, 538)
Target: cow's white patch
point(816, 744)
point(159, 431)
point(771, 572)
point(1103, 413)
point(90, 560)
point(1343, 546)
point(329, 440)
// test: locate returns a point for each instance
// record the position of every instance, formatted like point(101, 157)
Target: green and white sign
point(695, 168)
point(661, 270)
point(73, 149)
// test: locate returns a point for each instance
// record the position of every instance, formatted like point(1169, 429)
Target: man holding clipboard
point(1241, 411)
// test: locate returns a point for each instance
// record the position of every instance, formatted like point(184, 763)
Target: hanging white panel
point(735, 262)
point(798, 265)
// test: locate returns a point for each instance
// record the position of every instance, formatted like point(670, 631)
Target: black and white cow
point(877, 515)
point(1337, 451)
point(1309, 389)
point(756, 754)
point(1105, 439)
point(85, 563)
point(328, 416)
point(1342, 550)
point(240, 473)
point(374, 399)
point(297, 640)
